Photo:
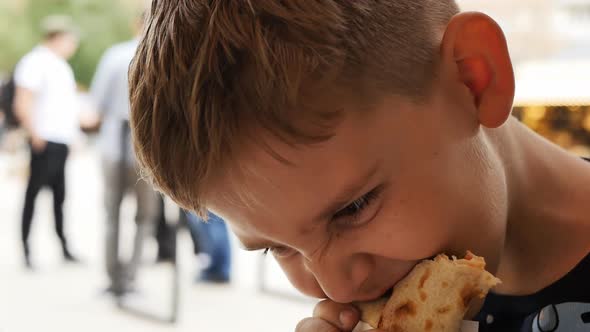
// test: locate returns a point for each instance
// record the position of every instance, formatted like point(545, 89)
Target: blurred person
point(7, 92)
point(6, 103)
point(109, 91)
point(211, 241)
point(46, 105)
point(2, 125)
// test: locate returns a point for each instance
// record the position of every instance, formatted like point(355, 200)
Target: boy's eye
point(354, 207)
point(352, 213)
point(357, 212)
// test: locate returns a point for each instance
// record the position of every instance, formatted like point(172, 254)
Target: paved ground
point(60, 297)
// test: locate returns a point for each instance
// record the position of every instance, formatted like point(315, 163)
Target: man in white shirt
point(109, 90)
point(47, 107)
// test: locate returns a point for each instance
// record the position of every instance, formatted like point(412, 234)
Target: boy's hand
point(329, 316)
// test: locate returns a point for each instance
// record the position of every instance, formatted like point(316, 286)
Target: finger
point(345, 316)
point(315, 325)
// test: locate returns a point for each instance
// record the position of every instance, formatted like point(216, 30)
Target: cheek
point(409, 229)
point(444, 207)
point(300, 277)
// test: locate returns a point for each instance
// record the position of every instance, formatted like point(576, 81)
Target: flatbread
point(434, 296)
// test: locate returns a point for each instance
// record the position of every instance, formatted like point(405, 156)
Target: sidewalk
point(64, 298)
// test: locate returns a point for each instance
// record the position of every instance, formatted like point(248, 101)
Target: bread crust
point(434, 296)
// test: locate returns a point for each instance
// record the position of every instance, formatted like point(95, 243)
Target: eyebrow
point(250, 246)
point(254, 246)
point(348, 193)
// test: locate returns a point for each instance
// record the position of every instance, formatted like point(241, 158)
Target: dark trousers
point(47, 169)
point(119, 179)
point(165, 234)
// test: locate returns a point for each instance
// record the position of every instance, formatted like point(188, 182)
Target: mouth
point(383, 294)
point(386, 294)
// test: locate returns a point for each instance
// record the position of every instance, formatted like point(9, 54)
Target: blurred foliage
point(102, 23)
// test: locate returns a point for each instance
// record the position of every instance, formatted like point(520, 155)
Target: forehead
point(265, 193)
point(262, 180)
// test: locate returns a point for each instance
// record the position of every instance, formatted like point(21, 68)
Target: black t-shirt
point(561, 307)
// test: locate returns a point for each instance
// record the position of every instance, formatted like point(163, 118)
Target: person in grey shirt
point(109, 90)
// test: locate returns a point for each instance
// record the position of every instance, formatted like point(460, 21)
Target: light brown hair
point(207, 72)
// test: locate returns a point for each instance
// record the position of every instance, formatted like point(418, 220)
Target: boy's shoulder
point(561, 306)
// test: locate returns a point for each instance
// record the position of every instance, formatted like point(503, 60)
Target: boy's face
point(353, 215)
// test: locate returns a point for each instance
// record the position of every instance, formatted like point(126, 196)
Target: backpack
point(7, 92)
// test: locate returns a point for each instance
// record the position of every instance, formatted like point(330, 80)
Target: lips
point(384, 293)
point(387, 292)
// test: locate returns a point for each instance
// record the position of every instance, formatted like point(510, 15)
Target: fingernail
point(347, 318)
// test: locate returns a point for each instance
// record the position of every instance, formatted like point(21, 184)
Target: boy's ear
point(475, 45)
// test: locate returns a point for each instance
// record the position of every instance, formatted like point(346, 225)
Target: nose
point(341, 277)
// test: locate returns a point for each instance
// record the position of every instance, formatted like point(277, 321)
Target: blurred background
point(550, 45)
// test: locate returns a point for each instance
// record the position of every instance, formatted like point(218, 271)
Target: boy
point(353, 139)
